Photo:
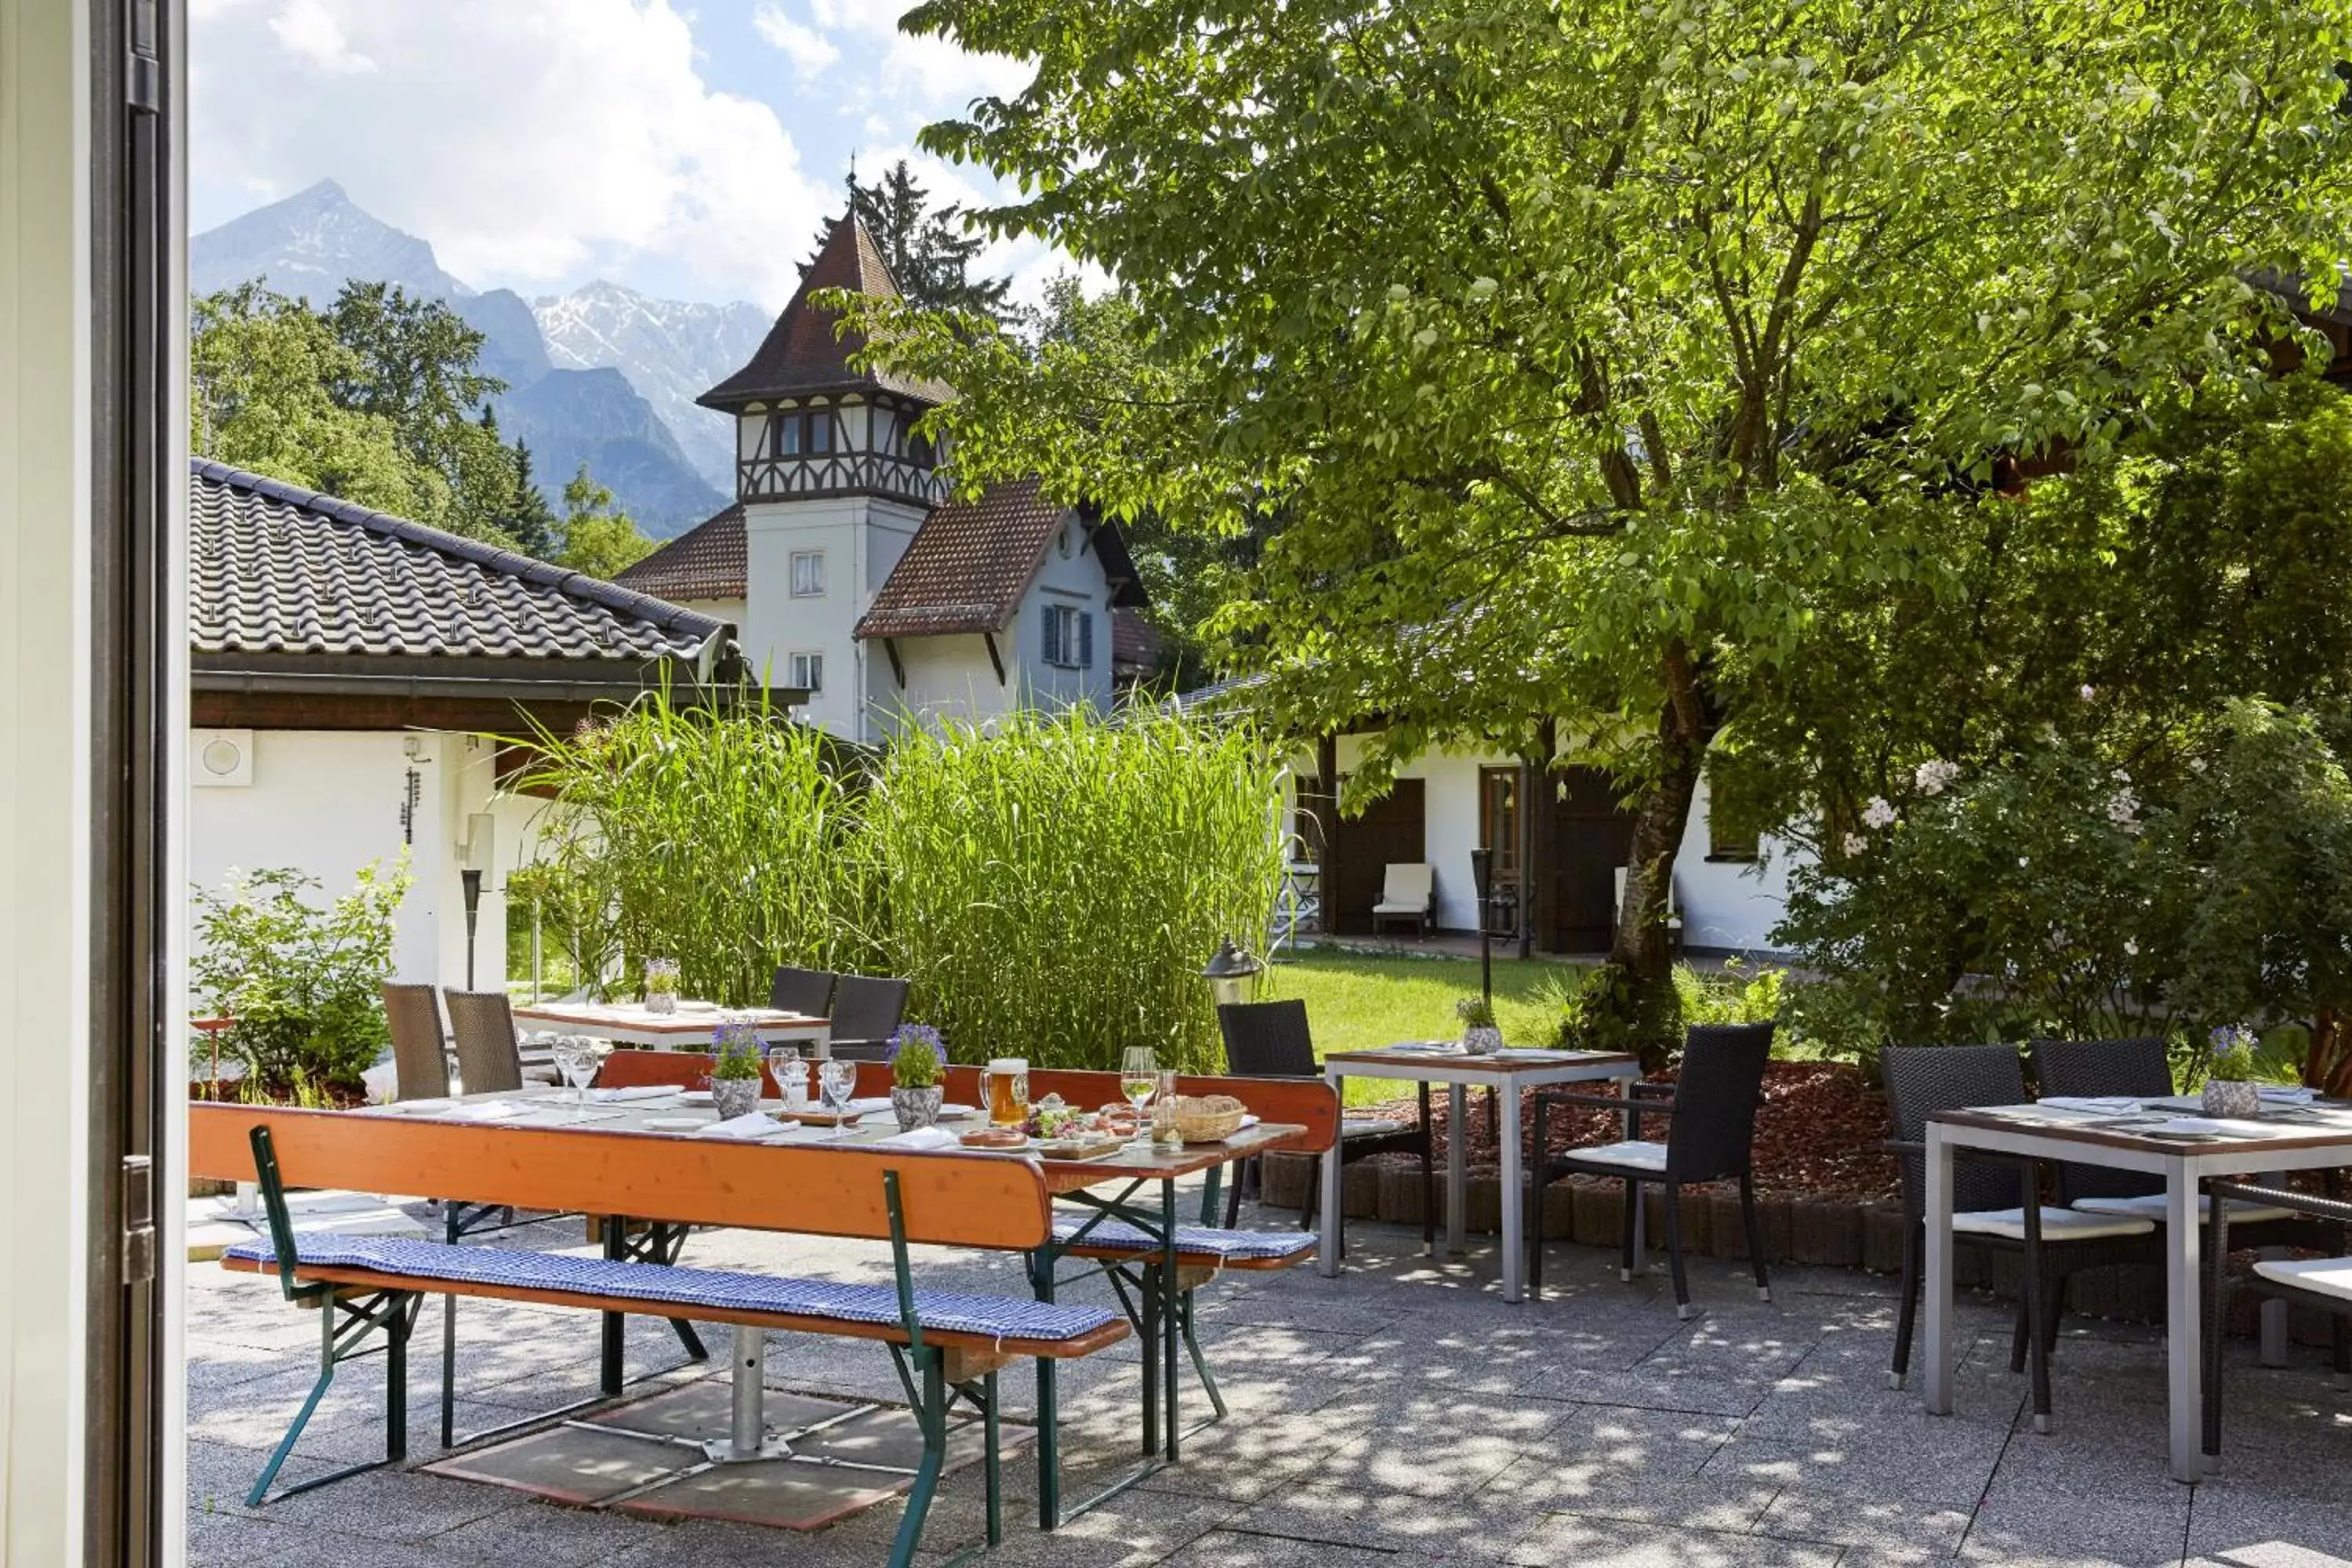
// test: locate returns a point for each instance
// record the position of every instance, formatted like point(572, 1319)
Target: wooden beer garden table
point(547, 1157)
point(689, 1028)
point(1507, 1071)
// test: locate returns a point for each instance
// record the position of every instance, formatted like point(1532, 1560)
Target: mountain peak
point(312, 243)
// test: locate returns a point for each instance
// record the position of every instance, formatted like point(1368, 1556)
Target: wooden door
point(1591, 836)
point(1391, 828)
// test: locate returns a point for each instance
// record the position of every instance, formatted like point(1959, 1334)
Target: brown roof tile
point(802, 353)
point(967, 565)
point(706, 562)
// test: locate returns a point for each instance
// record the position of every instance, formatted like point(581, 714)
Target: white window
point(808, 573)
point(1069, 636)
point(808, 672)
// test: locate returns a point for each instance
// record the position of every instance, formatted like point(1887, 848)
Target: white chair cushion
point(1385, 908)
point(2057, 1224)
point(1639, 1156)
point(2150, 1205)
point(2321, 1275)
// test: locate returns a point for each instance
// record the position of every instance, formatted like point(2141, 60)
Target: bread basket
point(1208, 1118)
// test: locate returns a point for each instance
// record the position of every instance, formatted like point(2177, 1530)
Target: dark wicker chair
point(866, 1010)
point(1270, 1039)
point(420, 1058)
point(1710, 1138)
point(489, 1056)
point(1989, 1204)
point(808, 992)
point(2323, 1282)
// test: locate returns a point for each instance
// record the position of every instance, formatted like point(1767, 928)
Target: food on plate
point(993, 1138)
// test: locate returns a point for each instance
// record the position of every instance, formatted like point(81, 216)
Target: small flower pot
point(661, 1001)
point(914, 1107)
point(735, 1096)
point(1479, 1040)
point(2232, 1098)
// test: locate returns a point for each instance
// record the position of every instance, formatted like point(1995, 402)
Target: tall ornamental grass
point(727, 841)
point(1053, 883)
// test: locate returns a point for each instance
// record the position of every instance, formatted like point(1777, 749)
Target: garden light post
point(1230, 974)
point(1482, 878)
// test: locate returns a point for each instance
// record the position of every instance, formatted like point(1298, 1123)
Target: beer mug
point(1004, 1088)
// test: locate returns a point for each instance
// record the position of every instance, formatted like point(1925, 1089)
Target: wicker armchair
point(1710, 1138)
point(1996, 1203)
point(420, 1058)
point(1270, 1039)
point(489, 1055)
point(808, 992)
point(867, 1011)
point(2323, 1282)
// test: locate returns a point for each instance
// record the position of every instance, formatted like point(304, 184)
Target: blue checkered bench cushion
point(1235, 1246)
point(657, 1285)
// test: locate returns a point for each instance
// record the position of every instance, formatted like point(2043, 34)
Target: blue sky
point(686, 149)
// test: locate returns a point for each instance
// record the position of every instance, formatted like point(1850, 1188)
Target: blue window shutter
point(1048, 644)
point(1085, 639)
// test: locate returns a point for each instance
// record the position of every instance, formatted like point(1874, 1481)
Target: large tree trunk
point(1641, 986)
point(2327, 1065)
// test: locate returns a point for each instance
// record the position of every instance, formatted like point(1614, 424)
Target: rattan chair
point(1996, 1203)
point(420, 1057)
point(1270, 1039)
point(808, 992)
point(489, 1056)
point(1711, 1137)
point(2323, 1282)
point(866, 1010)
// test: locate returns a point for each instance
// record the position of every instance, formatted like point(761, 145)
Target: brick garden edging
point(1826, 1232)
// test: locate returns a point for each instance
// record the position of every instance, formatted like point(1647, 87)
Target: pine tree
point(530, 520)
point(928, 252)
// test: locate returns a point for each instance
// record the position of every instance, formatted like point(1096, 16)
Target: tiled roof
point(706, 562)
point(967, 566)
point(277, 569)
point(802, 353)
point(1134, 643)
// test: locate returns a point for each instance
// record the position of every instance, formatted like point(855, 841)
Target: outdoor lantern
point(1230, 972)
point(1482, 878)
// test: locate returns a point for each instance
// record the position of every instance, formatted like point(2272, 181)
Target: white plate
point(958, 1112)
point(675, 1123)
point(697, 1096)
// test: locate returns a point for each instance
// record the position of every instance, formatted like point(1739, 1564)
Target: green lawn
point(1360, 1000)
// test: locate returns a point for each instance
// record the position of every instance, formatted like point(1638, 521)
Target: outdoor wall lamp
point(1230, 974)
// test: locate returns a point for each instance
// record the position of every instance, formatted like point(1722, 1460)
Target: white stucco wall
point(862, 538)
point(329, 803)
point(1076, 579)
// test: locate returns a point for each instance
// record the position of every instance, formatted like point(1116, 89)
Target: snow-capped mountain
point(617, 392)
point(672, 351)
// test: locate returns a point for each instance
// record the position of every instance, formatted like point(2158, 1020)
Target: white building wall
point(328, 802)
point(1071, 574)
point(862, 538)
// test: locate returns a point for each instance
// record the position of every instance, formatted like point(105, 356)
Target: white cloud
point(526, 139)
point(809, 50)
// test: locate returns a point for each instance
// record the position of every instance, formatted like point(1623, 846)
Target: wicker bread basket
point(1208, 1118)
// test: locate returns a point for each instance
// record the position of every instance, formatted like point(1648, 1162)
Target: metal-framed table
point(1506, 1071)
point(634, 1024)
point(2284, 1139)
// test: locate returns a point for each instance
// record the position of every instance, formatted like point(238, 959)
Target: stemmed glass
point(579, 1058)
point(1139, 1078)
point(837, 1081)
point(784, 1067)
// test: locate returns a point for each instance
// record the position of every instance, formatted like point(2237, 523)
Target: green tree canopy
point(1576, 350)
point(598, 537)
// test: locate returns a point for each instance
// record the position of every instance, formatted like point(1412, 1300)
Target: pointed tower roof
point(801, 355)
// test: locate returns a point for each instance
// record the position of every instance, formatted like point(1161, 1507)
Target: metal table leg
point(1515, 1246)
point(1938, 1292)
point(1326, 1251)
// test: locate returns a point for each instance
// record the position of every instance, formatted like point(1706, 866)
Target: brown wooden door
point(1592, 837)
point(1393, 828)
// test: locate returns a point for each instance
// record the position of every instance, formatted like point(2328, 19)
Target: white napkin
point(493, 1110)
point(643, 1091)
point(755, 1125)
point(870, 1105)
point(2287, 1094)
point(2099, 1104)
point(2213, 1124)
point(920, 1138)
point(956, 1112)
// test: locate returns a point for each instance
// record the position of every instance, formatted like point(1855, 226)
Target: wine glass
point(579, 1058)
point(1139, 1078)
point(837, 1081)
point(791, 1079)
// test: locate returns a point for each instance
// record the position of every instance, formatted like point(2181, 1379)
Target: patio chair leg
point(1907, 1316)
point(1626, 1260)
point(1683, 1307)
point(1755, 1236)
point(2037, 1284)
point(1429, 1175)
point(2020, 1336)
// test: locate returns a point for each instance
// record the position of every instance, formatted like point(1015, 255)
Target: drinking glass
point(791, 1078)
point(1164, 1109)
point(837, 1081)
point(1138, 1079)
point(578, 1058)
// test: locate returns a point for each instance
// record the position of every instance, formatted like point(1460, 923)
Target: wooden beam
point(327, 710)
point(994, 658)
point(897, 664)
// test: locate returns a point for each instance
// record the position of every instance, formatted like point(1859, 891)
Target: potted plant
point(735, 1074)
point(2231, 1089)
point(661, 984)
point(915, 1090)
point(1480, 1034)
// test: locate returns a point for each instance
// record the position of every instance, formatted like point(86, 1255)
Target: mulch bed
point(1817, 1134)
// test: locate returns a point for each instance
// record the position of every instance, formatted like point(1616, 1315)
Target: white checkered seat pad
point(1195, 1240)
point(659, 1285)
